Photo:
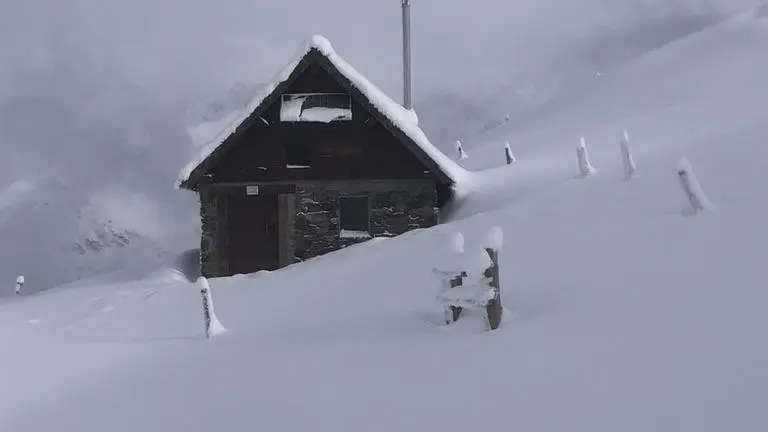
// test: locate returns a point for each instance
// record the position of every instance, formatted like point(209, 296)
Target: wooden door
point(253, 233)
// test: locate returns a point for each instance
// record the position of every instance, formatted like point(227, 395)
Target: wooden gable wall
point(358, 149)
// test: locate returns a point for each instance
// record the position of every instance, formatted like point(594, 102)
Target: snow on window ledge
point(350, 234)
point(324, 115)
point(316, 107)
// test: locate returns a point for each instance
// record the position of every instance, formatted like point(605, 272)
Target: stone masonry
point(392, 212)
point(213, 243)
point(403, 208)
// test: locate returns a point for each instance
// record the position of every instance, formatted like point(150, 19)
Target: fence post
point(508, 154)
point(585, 167)
point(206, 310)
point(212, 325)
point(630, 169)
point(494, 309)
point(460, 150)
point(19, 284)
point(455, 310)
point(691, 186)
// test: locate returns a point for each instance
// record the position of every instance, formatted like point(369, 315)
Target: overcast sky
point(190, 47)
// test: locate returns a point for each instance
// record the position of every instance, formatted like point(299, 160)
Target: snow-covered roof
point(403, 119)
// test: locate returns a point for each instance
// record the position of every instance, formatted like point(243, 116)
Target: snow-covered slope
point(53, 236)
point(625, 312)
point(625, 315)
point(84, 154)
point(667, 98)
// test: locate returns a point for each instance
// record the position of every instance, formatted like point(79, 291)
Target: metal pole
point(406, 54)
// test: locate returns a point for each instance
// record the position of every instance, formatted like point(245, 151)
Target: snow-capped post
point(508, 153)
point(494, 309)
point(630, 169)
point(212, 325)
point(452, 313)
point(453, 277)
point(19, 284)
point(691, 187)
point(585, 168)
point(481, 267)
point(460, 150)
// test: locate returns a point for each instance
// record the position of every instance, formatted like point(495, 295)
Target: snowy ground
point(624, 312)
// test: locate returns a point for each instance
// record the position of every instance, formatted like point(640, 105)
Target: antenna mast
point(406, 53)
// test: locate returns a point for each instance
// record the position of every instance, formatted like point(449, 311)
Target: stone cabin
point(321, 159)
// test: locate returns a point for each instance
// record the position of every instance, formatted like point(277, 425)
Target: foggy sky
point(192, 48)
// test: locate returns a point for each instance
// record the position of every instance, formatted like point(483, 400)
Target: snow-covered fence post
point(691, 187)
point(630, 169)
point(212, 325)
point(494, 309)
point(481, 269)
point(460, 150)
point(508, 154)
point(451, 279)
point(452, 313)
point(585, 167)
point(19, 284)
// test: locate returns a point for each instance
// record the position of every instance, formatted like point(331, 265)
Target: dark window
point(297, 154)
point(330, 100)
point(353, 216)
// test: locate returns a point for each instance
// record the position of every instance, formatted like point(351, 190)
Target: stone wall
point(408, 206)
point(213, 241)
point(395, 207)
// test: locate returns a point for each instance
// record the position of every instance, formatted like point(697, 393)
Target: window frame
point(347, 96)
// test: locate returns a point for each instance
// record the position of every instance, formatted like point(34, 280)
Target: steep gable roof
point(400, 122)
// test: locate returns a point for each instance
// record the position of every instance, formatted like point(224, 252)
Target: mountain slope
point(52, 237)
point(666, 98)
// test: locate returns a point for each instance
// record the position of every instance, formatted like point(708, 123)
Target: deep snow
point(624, 312)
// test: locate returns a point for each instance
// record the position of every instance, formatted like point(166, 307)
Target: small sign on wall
point(251, 190)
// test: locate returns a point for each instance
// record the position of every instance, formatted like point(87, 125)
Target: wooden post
point(685, 182)
point(494, 309)
point(452, 313)
point(206, 310)
point(455, 310)
point(585, 167)
point(460, 150)
point(19, 284)
point(212, 325)
point(508, 154)
point(626, 156)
